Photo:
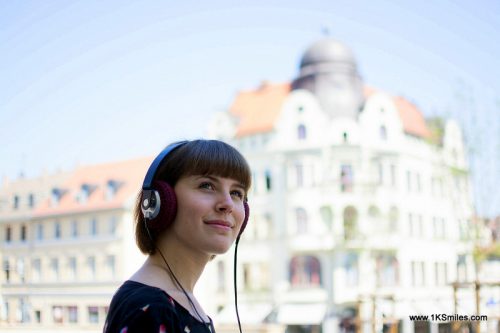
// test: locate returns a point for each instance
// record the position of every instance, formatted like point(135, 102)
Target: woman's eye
point(238, 194)
point(206, 185)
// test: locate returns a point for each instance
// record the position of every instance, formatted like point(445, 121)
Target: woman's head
point(197, 157)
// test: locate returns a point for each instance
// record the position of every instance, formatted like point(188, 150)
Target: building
point(67, 244)
point(361, 208)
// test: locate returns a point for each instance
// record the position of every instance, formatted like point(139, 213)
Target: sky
point(86, 82)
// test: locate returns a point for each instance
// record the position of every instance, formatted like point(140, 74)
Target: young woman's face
point(210, 212)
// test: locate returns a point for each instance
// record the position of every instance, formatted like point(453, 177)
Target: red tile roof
point(128, 174)
point(258, 110)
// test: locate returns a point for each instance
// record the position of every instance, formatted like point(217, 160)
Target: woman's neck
point(181, 264)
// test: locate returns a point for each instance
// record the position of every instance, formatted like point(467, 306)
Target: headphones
point(158, 200)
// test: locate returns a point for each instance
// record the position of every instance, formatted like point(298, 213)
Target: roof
point(127, 176)
point(411, 117)
point(258, 110)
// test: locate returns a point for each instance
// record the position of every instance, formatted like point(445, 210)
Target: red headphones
point(159, 203)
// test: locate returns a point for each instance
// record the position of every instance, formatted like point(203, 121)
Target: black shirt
point(137, 307)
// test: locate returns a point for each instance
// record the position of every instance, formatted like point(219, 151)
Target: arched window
point(305, 271)
point(350, 223)
point(301, 218)
point(301, 132)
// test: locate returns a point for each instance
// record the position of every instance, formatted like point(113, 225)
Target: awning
point(249, 313)
point(301, 314)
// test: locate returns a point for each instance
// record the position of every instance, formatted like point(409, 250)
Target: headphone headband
point(150, 175)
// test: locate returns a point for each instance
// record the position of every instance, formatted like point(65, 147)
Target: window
point(305, 271)
point(393, 175)
point(110, 265)
point(93, 312)
point(57, 230)
point(57, 314)
point(112, 187)
point(38, 316)
point(72, 314)
point(113, 221)
point(31, 200)
point(85, 192)
point(383, 133)
point(23, 233)
point(441, 273)
point(346, 178)
point(20, 269)
point(72, 269)
point(8, 233)
point(6, 270)
point(462, 268)
point(438, 225)
point(93, 227)
point(387, 270)
point(418, 182)
point(326, 216)
point(351, 269)
point(393, 218)
point(301, 219)
point(299, 171)
point(301, 132)
point(416, 225)
point(74, 229)
point(91, 267)
point(55, 196)
point(350, 223)
point(418, 273)
point(54, 267)
point(268, 180)
point(15, 202)
point(36, 269)
point(345, 137)
point(39, 231)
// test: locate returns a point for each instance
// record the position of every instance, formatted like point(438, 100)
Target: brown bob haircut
point(197, 157)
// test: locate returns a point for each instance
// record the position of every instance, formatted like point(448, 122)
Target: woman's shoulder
point(137, 307)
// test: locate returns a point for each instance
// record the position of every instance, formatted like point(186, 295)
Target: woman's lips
point(222, 225)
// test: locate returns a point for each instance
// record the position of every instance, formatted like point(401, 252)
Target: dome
point(327, 50)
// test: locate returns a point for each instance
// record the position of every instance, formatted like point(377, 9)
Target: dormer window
point(85, 192)
point(112, 187)
point(56, 195)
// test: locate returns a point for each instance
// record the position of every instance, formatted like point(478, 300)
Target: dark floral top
point(137, 307)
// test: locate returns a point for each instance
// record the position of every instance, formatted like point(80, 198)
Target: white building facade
point(360, 208)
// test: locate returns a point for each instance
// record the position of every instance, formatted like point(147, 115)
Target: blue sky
point(92, 81)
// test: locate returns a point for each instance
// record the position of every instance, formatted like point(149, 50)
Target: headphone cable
point(235, 286)
point(206, 325)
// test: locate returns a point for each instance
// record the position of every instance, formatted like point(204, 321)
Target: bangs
point(207, 157)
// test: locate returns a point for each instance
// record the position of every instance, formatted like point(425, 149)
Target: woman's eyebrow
point(216, 179)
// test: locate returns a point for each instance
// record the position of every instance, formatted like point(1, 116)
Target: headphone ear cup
point(245, 221)
point(168, 206)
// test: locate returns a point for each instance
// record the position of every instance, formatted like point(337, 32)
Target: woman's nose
point(224, 203)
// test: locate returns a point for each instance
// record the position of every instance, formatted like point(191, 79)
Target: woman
point(201, 188)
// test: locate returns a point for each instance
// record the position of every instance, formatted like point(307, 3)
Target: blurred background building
point(361, 215)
